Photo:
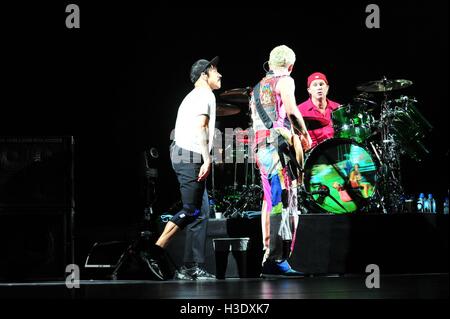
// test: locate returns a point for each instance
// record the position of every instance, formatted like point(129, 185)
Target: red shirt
point(318, 135)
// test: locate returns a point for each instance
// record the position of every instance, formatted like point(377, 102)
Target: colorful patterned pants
point(280, 198)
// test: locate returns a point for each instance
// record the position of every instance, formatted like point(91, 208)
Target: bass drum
point(341, 176)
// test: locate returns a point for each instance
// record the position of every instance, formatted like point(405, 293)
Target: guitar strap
point(261, 112)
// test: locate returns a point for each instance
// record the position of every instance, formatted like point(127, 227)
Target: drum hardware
point(239, 95)
point(323, 192)
point(225, 109)
point(384, 85)
point(244, 139)
point(375, 151)
point(234, 200)
point(213, 173)
point(408, 126)
point(251, 195)
point(364, 100)
point(390, 183)
point(235, 183)
point(402, 131)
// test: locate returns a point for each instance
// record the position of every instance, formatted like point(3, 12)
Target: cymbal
point(313, 123)
point(240, 95)
point(225, 109)
point(384, 85)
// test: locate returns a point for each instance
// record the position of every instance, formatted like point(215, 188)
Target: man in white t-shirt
point(191, 160)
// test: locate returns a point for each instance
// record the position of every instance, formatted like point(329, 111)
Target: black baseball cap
point(200, 66)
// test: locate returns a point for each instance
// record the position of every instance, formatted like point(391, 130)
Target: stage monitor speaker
point(33, 244)
point(35, 171)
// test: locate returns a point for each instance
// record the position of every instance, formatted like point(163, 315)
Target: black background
point(115, 84)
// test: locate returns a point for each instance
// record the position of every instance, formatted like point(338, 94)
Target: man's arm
point(286, 87)
point(203, 135)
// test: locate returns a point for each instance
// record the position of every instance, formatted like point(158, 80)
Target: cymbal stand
point(251, 138)
point(391, 188)
point(235, 184)
point(249, 165)
point(213, 187)
point(253, 169)
point(246, 165)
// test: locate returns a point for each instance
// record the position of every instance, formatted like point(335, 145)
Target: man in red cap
point(318, 108)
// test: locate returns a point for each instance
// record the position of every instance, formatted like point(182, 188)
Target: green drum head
point(352, 122)
point(341, 174)
point(341, 116)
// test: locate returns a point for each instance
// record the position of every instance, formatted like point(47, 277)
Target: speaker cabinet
point(33, 244)
point(35, 171)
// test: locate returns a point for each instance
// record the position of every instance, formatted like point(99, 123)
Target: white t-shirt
point(200, 101)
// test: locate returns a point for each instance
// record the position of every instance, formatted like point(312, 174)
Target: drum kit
point(357, 170)
point(240, 190)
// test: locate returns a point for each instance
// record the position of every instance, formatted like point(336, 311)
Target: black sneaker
point(182, 274)
point(199, 274)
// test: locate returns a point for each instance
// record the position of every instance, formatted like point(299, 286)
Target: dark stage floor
point(408, 286)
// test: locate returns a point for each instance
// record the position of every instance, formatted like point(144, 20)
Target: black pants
point(195, 212)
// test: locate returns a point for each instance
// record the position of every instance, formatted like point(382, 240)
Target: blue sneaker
point(282, 269)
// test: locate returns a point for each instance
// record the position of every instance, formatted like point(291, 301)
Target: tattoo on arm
point(204, 142)
point(298, 123)
point(287, 92)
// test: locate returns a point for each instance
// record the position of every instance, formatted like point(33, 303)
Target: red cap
point(317, 76)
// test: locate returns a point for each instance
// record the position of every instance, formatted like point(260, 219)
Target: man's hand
point(205, 169)
point(306, 141)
